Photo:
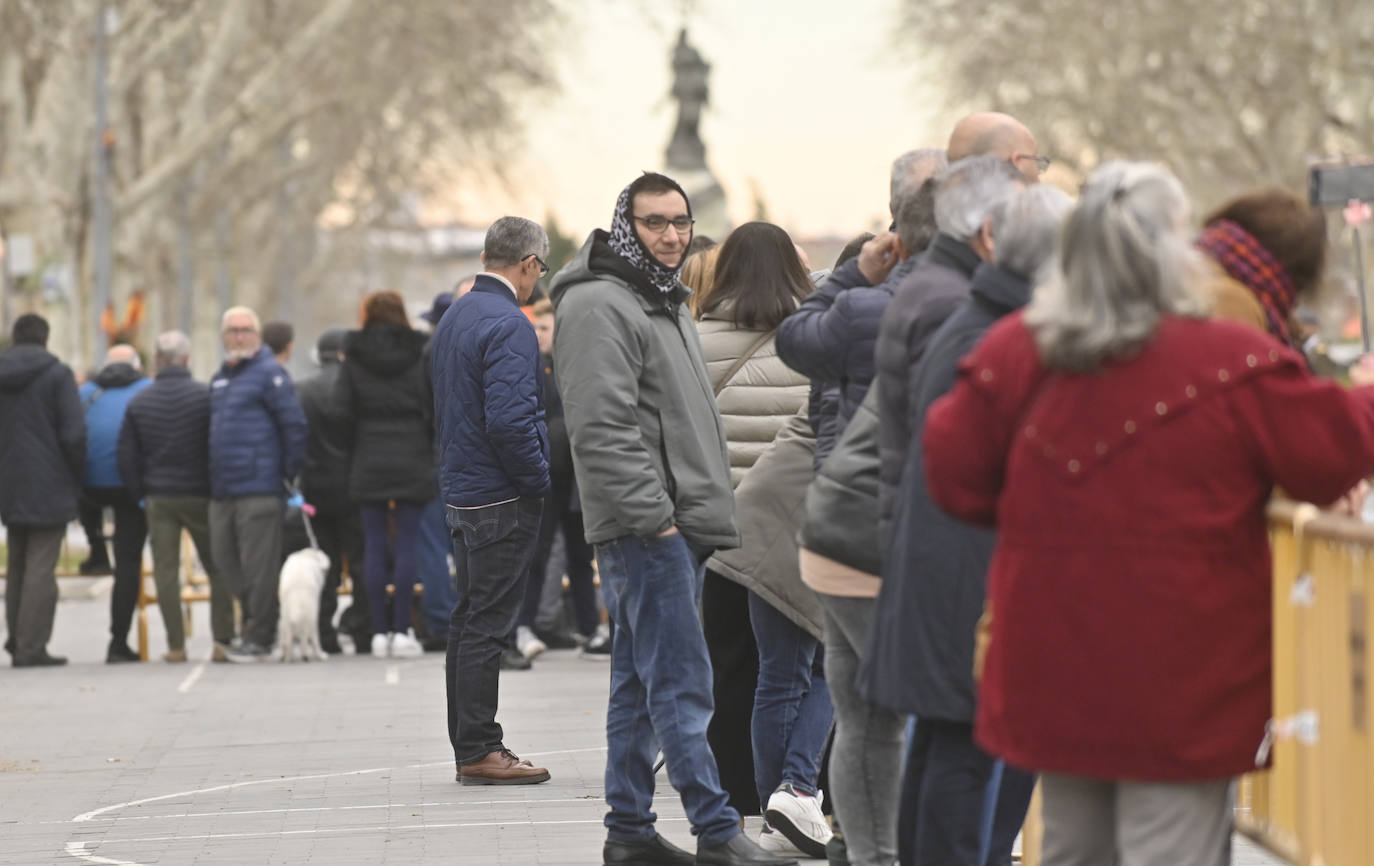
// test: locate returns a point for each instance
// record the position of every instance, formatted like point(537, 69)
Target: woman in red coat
point(1125, 447)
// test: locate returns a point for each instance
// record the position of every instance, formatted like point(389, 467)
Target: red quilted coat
point(1131, 582)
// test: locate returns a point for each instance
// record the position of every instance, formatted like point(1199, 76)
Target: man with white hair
point(164, 458)
point(105, 398)
point(257, 445)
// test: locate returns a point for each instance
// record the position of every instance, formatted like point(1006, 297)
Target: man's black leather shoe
point(42, 660)
point(740, 851)
point(656, 852)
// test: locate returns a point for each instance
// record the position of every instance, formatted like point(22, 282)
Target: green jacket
point(647, 441)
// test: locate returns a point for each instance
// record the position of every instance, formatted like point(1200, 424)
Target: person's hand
point(668, 533)
point(878, 257)
point(1362, 371)
point(295, 500)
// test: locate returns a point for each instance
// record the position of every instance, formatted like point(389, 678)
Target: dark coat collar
point(174, 372)
point(1000, 291)
point(488, 284)
point(955, 255)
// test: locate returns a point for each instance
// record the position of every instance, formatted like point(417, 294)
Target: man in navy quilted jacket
point(493, 476)
point(257, 442)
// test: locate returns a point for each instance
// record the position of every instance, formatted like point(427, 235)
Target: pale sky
point(809, 102)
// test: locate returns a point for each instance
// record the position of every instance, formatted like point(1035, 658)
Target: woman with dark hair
point(759, 280)
point(385, 393)
point(1269, 247)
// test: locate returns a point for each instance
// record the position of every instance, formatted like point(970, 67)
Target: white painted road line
point(393, 674)
point(192, 678)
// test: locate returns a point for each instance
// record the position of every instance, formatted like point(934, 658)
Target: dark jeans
point(660, 689)
point(378, 550)
point(31, 588)
point(492, 547)
point(792, 711)
point(339, 531)
point(167, 517)
point(131, 530)
point(558, 513)
point(431, 556)
point(945, 800)
point(735, 680)
point(92, 519)
point(246, 542)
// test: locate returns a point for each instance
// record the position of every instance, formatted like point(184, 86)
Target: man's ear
point(985, 235)
point(900, 249)
point(482, 257)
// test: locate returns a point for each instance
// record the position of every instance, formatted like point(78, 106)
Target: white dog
point(302, 579)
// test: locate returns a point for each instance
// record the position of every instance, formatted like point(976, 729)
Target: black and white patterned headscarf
point(626, 243)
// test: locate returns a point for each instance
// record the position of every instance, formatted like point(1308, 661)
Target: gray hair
point(172, 349)
point(916, 219)
point(511, 240)
point(1124, 261)
point(240, 311)
point(969, 190)
point(1024, 227)
point(910, 171)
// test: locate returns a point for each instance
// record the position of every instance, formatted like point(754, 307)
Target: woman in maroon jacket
point(1125, 448)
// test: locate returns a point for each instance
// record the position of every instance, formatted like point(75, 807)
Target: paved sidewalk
point(342, 762)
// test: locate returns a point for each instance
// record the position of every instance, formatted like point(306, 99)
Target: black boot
point(119, 653)
point(655, 852)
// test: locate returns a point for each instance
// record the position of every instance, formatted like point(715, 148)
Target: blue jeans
point(378, 550)
point(492, 547)
point(792, 710)
point(432, 557)
point(660, 689)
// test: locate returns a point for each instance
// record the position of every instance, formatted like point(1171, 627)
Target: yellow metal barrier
point(1315, 807)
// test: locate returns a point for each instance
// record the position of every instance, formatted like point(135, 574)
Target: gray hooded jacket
point(647, 441)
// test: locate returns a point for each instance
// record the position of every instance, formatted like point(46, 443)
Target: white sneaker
point(405, 646)
point(798, 817)
point(528, 645)
point(381, 646)
point(775, 843)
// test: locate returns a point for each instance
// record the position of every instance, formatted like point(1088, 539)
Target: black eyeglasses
point(658, 223)
point(543, 268)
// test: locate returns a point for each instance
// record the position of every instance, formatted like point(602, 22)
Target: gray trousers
point(167, 517)
point(866, 758)
point(1090, 822)
point(246, 543)
point(31, 588)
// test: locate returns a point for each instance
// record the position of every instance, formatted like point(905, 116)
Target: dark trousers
point(131, 530)
point(559, 514)
point(492, 547)
point(31, 588)
point(246, 542)
point(339, 531)
point(431, 556)
point(167, 517)
point(92, 519)
point(945, 800)
point(735, 670)
point(378, 551)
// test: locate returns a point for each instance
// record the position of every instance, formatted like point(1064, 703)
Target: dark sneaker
point(599, 647)
point(655, 852)
point(42, 660)
point(119, 653)
point(557, 640)
point(249, 653)
point(512, 660)
point(95, 568)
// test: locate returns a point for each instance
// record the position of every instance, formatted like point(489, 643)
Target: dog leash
point(296, 499)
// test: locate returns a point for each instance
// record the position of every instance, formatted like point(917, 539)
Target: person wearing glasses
point(493, 475)
point(649, 454)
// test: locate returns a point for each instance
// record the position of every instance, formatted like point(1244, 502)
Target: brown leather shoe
point(502, 768)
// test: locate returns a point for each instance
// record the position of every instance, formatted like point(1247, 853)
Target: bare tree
point(1229, 95)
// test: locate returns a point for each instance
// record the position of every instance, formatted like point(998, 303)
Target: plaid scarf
point(1250, 264)
point(625, 241)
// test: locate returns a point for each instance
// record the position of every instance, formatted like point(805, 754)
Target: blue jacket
point(493, 445)
point(105, 398)
point(257, 428)
point(831, 337)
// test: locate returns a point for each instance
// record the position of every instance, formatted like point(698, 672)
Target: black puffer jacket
point(42, 439)
point(329, 447)
point(385, 398)
point(164, 443)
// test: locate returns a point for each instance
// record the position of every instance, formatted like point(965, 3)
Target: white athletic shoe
point(775, 843)
point(381, 646)
point(405, 646)
point(798, 817)
point(528, 645)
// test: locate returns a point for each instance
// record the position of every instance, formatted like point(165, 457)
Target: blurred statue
point(686, 150)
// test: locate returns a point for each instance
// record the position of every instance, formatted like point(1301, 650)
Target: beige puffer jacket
point(759, 398)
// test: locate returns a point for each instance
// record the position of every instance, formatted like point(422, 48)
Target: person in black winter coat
point(42, 457)
point(164, 460)
point(324, 481)
point(920, 654)
point(385, 394)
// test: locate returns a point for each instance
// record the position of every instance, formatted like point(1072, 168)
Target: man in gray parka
point(649, 453)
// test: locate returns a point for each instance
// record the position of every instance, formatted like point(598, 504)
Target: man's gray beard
point(233, 356)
